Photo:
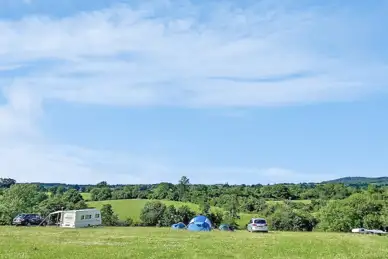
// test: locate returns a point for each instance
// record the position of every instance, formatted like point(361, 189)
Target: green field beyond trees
point(329, 207)
point(103, 243)
point(132, 208)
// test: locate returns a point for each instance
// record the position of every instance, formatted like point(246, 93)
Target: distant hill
point(351, 181)
point(360, 181)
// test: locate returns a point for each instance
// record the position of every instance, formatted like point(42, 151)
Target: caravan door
point(68, 219)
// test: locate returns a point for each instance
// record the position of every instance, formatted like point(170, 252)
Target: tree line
point(250, 198)
point(329, 207)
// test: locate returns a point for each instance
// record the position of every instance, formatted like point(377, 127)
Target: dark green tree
point(152, 213)
point(108, 217)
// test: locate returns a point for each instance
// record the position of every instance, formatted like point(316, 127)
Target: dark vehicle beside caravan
point(28, 220)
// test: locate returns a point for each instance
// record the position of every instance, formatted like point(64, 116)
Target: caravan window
point(82, 217)
point(88, 216)
point(97, 216)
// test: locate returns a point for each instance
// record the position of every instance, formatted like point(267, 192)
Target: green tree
point(72, 196)
point(183, 186)
point(204, 207)
point(287, 219)
point(184, 214)
point(6, 182)
point(170, 216)
point(60, 190)
point(108, 217)
point(233, 207)
point(359, 210)
point(101, 194)
point(152, 213)
point(102, 184)
point(19, 198)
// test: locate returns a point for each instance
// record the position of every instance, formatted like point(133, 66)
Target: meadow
point(132, 208)
point(47, 242)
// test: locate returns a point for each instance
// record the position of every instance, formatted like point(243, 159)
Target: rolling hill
point(360, 180)
point(132, 208)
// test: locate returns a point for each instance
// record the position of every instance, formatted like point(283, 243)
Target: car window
point(260, 221)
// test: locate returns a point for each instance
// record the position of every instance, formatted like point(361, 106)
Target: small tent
point(226, 227)
point(200, 223)
point(179, 225)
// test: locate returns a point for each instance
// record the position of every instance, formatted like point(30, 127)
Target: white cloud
point(171, 58)
point(68, 164)
point(121, 56)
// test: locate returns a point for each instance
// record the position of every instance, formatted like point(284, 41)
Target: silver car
point(257, 225)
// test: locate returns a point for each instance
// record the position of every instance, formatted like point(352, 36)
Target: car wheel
point(28, 224)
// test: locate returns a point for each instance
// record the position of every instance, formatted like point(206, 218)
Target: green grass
point(132, 208)
point(47, 243)
point(86, 196)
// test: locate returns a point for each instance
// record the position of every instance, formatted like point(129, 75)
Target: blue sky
point(219, 91)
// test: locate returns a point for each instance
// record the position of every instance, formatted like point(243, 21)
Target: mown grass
point(86, 196)
point(47, 243)
point(132, 208)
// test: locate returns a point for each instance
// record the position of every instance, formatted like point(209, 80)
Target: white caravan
point(76, 218)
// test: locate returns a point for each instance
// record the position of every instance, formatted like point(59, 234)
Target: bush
point(287, 219)
point(109, 218)
point(357, 211)
point(152, 213)
point(129, 222)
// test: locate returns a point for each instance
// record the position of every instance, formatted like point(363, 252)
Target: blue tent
point(179, 225)
point(200, 223)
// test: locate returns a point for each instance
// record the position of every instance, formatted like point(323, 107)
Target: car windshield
point(260, 221)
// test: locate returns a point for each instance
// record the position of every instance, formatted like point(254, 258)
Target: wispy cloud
point(174, 53)
point(236, 57)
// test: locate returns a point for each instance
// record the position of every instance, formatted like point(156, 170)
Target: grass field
point(132, 208)
point(45, 243)
point(86, 196)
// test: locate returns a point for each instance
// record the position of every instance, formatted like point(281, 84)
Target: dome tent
point(200, 223)
point(179, 225)
point(225, 227)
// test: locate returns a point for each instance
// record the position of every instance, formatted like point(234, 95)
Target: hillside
point(360, 180)
point(132, 208)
